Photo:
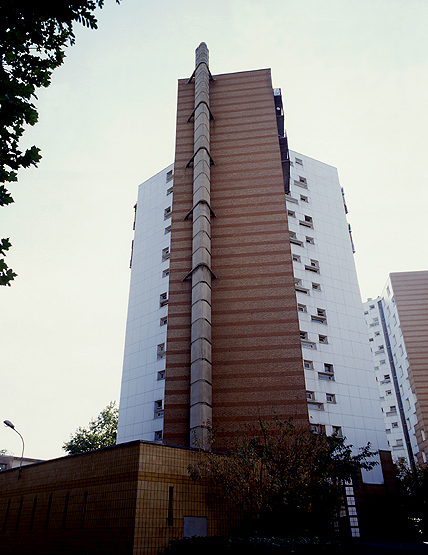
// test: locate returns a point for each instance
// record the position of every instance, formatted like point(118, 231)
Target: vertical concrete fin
point(201, 360)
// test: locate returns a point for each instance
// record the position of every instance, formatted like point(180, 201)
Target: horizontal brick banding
point(257, 363)
point(411, 298)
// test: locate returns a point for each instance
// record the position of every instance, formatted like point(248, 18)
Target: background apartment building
point(397, 322)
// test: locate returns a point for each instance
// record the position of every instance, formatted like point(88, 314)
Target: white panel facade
point(341, 391)
point(396, 396)
point(143, 378)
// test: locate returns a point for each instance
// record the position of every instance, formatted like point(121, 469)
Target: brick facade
point(123, 500)
point(256, 354)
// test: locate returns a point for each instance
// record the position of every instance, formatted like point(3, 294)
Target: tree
point(284, 480)
point(33, 38)
point(413, 492)
point(100, 433)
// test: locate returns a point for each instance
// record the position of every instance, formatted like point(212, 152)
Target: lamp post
point(9, 424)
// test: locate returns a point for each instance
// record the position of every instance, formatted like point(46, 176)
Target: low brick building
point(128, 499)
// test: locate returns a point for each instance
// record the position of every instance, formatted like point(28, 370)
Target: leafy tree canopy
point(413, 490)
point(100, 433)
point(33, 38)
point(284, 480)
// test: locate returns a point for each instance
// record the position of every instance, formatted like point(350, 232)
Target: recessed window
point(310, 240)
point(161, 350)
point(303, 335)
point(165, 254)
point(165, 273)
point(307, 222)
point(294, 240)
point(371, 339)
point(158, 435)
point(377, 333)
point(164, 321)
point(303, 198)
point(371, 306)
point(301, 308)
point(310, 395)
point(383, 362)
point(158, 409)
point(169, 175)
point(308, 364)
point(337, 431)
point(394, 425)
point(313, 267)
point(169, 191)
point(296, 258)
point(291, 214)
point(318, 428)
point(161, 375)
point(167, 213)
point(423, 435)
point(330, 397)
point(328, 368)
point(316, 286)
point(163, 299)
point(167, 229)
point(323, 339)
point(299, 287)
point(299, 161)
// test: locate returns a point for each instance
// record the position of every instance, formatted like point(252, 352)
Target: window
point(337, 431)
point(307, 222)
point(301, 308)
point(310, 240)
point(300, 288)
point(167, 213)
point(161, 350)
point(323, 339)
point(158, 409)
point(320, 316)
point(165, 273)
point(313, 266)
point(158, 435)
point(164, 321)
point(392, 410)
point(423, 434)
point(167, 229)
point(294, 240)
point(161, 375)
point(169, 191)
point(302, 179)
point(163, 299)
point(330, 397)
point(169, 175)
point(371, 306)
point(291, 214)
point(316, 286)
point(301, 183)
point(371, 339)
point(383, 362)
point(296, 258)
point(377, 333)
point(310, 395)
point(318, 428)
point(299, 161)
point(308, 364)
point(388, 392)
point(303, 335)
point(424, 457)
point(165, 254)
point(323, 376)
point(394, 425)
point(328, 368)
point(303, 198)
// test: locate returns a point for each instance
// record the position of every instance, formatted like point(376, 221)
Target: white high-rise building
point(341, 392)
point(398, 338)
point(143, 378)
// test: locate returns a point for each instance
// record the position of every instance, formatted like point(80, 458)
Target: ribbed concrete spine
point(201, 361)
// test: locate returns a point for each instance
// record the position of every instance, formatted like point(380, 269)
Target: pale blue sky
point(354, 83)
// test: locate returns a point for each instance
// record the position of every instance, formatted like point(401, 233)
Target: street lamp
point(9, 424)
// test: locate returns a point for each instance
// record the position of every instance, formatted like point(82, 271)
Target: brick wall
point(257, 364)
point(127, 499)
